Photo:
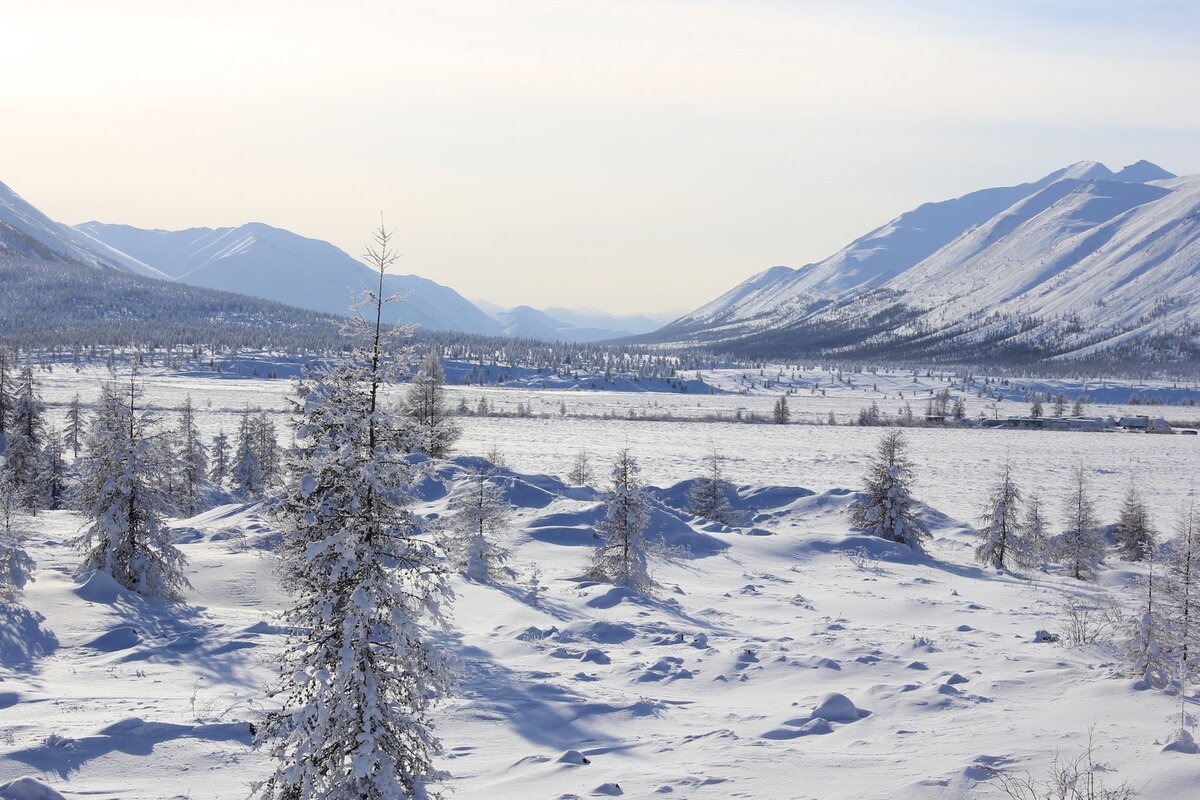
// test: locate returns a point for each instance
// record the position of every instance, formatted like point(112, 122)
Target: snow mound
point(573, 757)
point(1182, 743)
point(835, 707)
point(28, 788)
point(121, 638)
point(99, 587)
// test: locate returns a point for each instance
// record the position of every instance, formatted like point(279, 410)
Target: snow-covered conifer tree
point(358, 677)
point(710, 494)
point(16, 567)
point(581, 469)
point(121, 489)
point(480, 514)
point(75, 429)
point(191, 458)
point(1151, 659)
point(1001, 531)
point(247, 474)
point(886, 507)
point(1182, 593)
point(219, 472)
point(780, 412)
point(1080, 547)
point(25, 463)
point(6, 393)
point(424, 404)
point(622, 555)
point(1033, 529)
point(1135, 535)
point(266, 448)
point(53, 483)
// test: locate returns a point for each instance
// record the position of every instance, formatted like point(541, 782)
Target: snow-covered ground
point(953, 464)
point(704, 690)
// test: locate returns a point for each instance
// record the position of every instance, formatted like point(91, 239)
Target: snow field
point(722, 684)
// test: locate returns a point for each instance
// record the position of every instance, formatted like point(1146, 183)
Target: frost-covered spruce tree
point(75, 429)
point(424, 403)
point(6, 393)
point(359, 676)
point(1002, 543)
point(16, 567)
point(1135, 535)
point(1037, 539)
point(1080, 547)
point(54, 480)
point(709, 497)
point(480, 514)
point(1150, 657)
point(191, 458)
point(266, 445)
point(219, 471)
point(887, 508)
point(1182, 592)
point(622, 556)
point(25, 464)
point(247, 474)
point(121, 489)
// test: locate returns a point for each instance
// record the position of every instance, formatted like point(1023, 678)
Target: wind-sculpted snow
point(785, 656)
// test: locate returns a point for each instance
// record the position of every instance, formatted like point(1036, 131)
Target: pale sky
point(629, 155)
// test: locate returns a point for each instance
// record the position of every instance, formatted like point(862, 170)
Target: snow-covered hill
point(1080, 260)
point(25, 231)
point(275, 264)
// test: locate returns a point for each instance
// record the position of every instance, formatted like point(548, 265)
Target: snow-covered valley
point(704, 688)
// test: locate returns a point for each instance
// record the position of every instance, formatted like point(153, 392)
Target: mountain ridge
point(272, 263)
point(1080, 261)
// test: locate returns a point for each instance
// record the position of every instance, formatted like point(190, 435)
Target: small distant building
point(1086, 424)
point(1142, 423)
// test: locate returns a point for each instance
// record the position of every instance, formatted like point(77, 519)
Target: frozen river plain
point(953, 464)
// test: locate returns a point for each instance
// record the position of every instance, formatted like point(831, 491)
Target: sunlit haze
point(553, 152)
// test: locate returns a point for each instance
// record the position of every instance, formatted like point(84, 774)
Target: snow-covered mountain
point(25, 231)
point(571, 325)
point(275, 264)
point(1081, 260)
point(255, 260)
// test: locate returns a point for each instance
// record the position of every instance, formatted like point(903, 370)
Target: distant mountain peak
point(1143, 171)
point(1087, 171)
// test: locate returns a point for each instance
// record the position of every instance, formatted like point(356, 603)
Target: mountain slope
point(25, 231)
point(53, 303)
point(1082, 260)
point(275, 264)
